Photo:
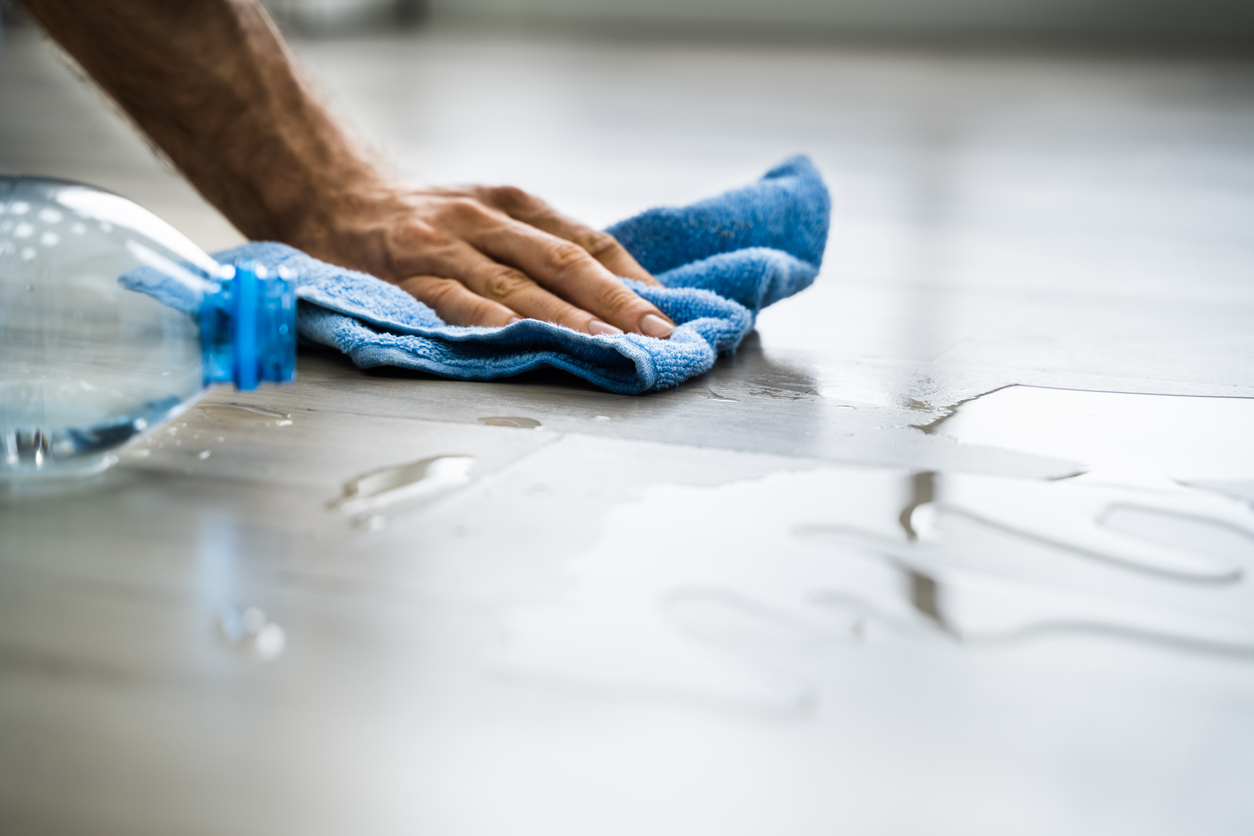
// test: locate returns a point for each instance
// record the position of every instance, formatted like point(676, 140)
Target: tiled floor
point(819, 590)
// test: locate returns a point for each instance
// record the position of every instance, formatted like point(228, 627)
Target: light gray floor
point(819, 590)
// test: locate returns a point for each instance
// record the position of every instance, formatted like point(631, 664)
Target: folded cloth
point(720, 261)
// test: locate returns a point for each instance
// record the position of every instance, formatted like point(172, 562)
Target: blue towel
point(720, 261)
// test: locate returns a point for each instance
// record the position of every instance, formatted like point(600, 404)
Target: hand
point(213, 86)
point(486, 256)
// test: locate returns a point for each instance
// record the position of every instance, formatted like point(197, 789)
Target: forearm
point(212, 84)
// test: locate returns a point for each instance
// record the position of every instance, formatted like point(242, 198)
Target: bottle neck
point(248, 328)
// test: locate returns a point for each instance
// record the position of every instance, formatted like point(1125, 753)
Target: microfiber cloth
point(720, 261)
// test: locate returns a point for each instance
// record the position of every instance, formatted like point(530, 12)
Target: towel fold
point(720, 261)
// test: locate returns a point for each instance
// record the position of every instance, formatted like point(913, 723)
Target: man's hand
point(487, 256)
point(213, 85)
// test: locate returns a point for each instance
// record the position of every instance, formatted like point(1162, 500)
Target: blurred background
point(1230, 21)
point(1160, 19)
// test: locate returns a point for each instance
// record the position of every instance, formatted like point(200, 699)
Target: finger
point(602, 246)
point(514, 290)
point(568, 271)
point(456, 304)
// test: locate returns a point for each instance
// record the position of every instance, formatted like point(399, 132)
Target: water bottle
point(112, 323)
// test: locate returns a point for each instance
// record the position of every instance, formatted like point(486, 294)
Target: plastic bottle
point(112, 322)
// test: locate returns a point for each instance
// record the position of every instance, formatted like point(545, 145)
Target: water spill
point(600, 418)
point(779, 394)
point(1125, 437)
point(248, 631)
point(244, 416)
point(765, 580)
point(978, 610)
point(405, 483)
point(714, 396)
point(512, 421)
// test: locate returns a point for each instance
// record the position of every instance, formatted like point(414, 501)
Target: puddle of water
point(243, 416)
point(762, 581)
point(408, 483)
point(1124, 436)
point(1221, 539)
point(512, 421)
point(714, 396)
point(1068, 516)
point(248, 631)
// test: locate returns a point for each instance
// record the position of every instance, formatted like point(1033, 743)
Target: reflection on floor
point(960, 541)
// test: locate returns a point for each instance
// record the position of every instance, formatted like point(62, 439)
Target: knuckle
point(564, 256)
point(506, 283)
point(597, 243)
point(467, 210)
point(512, 197)
point(415, 236)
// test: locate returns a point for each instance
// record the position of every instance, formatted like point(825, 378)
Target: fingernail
point(597, 327)
point(654, 326)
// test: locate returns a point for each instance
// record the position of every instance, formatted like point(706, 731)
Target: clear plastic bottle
point(112, 322)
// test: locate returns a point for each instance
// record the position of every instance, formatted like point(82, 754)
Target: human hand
point(216, 89)
point(486, 256)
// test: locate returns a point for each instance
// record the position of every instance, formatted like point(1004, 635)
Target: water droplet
point(49, 216)
point(600, 418)
point(28, 254)
point(178, 443)
point(143, 452)
point(270, 641)
point(203, 454)
point(512, 421)
point(78, 229)
point(49, 239)
point(249, 631)
point(23, 230)
point(246, 416)
point(105, 227)
point(30, 288)
point(19, 207)
point(411, 482)
point(221, 438)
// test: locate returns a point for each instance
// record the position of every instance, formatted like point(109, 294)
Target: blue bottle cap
point(248, 328)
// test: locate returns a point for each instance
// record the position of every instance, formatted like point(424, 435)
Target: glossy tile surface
point(834, 585)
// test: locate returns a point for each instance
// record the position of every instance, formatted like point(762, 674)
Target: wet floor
point(960, 541)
